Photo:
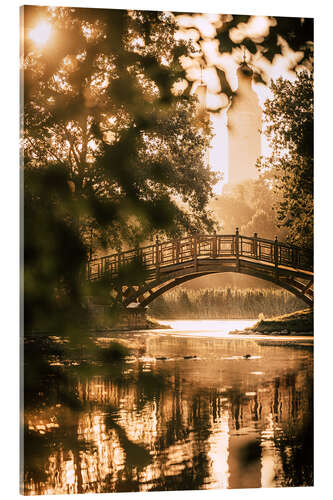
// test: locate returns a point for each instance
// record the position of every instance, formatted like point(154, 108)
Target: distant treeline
point(223, 303)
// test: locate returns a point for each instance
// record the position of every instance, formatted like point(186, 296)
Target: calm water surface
point(187, 410)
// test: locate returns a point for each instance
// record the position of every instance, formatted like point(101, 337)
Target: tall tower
point(244, 125)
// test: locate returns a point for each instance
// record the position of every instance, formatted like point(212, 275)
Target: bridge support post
point(276, 258)
point(157, 256)
point(295, 257)
point(237, 249)
point(195, 252)
point(214, 251)
point(118, 261)
point(177, 251)
point(255, 245)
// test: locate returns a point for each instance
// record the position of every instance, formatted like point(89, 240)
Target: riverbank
point(296, 323)
point(144, 324)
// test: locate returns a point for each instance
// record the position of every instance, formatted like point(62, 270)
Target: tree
point(262, 39)
point(113, 147)
point(289, 119)
point(297, 32)
point(103, 103)
point(232, 211)
point(250, 206)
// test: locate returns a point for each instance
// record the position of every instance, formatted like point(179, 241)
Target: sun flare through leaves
point(41, 34)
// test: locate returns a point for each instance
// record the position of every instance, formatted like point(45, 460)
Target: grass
point(223, 303)
point(296, 322)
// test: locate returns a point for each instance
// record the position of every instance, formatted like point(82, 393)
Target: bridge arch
point(159, 288)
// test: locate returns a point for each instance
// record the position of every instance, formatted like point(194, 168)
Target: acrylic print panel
point(168, 274)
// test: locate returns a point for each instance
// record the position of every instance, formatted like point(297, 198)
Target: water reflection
point(209, 328)
point(212, 420)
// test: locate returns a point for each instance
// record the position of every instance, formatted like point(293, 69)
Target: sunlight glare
point(41, 33)
point(206, 328)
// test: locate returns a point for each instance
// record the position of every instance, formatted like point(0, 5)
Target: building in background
point(244, 126)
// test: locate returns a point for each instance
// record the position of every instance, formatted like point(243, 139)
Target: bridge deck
point(193, 249)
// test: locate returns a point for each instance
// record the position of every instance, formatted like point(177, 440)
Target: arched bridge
point(170, 263)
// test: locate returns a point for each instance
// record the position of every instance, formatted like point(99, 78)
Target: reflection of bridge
point(170, 263)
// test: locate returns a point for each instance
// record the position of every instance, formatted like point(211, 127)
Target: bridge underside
point(298, 282)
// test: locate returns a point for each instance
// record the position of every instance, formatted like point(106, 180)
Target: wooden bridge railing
point(200, 246)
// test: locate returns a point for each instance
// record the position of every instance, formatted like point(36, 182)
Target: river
point(191, 408)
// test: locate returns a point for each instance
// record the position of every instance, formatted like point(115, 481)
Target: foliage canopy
point(289, 119)
point(250, 207)
point(102, 102)
point(113, 150)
